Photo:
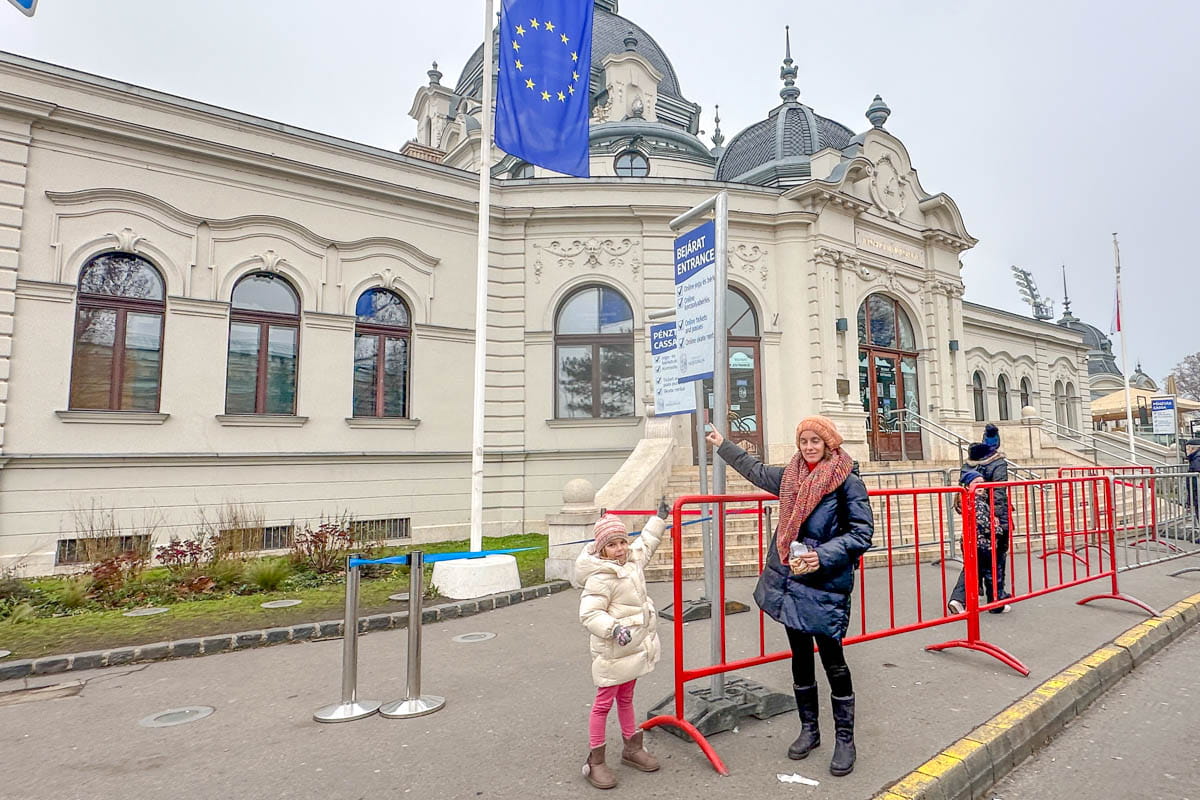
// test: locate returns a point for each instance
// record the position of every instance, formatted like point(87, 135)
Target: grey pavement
point(516, 718)
point(1138, 741)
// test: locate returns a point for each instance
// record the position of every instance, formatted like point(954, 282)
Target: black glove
point(664, 510)
point(622, 635)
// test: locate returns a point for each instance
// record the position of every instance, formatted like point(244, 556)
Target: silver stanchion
point(350, 707)
point(414, 703)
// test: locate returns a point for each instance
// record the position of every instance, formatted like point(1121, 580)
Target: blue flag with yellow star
point(542, 103)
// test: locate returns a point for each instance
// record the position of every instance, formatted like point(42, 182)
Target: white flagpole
point(1124, 356)
point(481, 284)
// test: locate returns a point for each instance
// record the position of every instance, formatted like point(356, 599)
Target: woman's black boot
point(843, 727)
point(810, 734)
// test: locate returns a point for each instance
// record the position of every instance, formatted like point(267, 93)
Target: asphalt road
point(1138, 741)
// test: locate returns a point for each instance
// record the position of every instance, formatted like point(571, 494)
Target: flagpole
point(1124, 356)
point(481, 284)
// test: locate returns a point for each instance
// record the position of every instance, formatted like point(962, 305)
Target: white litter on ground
point(796, 777)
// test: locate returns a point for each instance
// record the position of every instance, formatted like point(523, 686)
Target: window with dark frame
point(521, 171)
point(1002, 397)
point(632, 164)
point(593, 355)
point(116, 360)
point(978, 397)
point(264, 340)
point(1025, 392)
point(382, 347)
point(92, 549)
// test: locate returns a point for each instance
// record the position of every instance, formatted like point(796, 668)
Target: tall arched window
point(978, 396)
point(1002, 396)
point(887, 379)
point(264, 339)
point(1069, 401)
point(593, 355)
point(1026, 393)
point(1060, 405)
point(116, 363)
point(381, 355)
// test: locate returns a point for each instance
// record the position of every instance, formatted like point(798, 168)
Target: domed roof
point(609, 31)
point(1100, 356)
point(775, 151)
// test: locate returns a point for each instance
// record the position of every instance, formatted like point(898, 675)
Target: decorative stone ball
point(1028, 412)
point(579, 492)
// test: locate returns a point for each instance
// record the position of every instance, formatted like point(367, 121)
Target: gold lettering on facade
point(890, 248)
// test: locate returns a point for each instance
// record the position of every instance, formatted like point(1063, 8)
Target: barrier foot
point(1068, 553)
point(414, 707)
point(1173, 548)
point(697, 737)
point(1118, 596)
point(346, 712)
point(998, 653)
point(1179, 572)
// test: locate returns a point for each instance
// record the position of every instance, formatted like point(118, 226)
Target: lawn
point(97, 630)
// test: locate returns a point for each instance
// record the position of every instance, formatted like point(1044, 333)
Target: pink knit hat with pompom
point(608, 527)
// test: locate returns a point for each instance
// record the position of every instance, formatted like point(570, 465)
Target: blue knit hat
point(991, 435)
point(967, 475)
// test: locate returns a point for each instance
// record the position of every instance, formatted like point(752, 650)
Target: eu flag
point(542, 92)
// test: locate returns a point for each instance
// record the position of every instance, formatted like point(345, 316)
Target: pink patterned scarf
point(801, 490)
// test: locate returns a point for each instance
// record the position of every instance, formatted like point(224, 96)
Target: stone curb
point(968, 768)
point(304, 631)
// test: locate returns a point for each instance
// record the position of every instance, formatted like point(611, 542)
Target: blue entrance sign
point(670, 396)
point(695, 302)
point(26, 7)
point(1162, 412)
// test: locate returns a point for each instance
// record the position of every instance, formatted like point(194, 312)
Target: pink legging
point(605, 695)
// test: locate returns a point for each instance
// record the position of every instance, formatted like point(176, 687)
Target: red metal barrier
point(1055, 534)
point(1134, 506)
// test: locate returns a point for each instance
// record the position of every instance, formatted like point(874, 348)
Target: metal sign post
point(414, 703)
point(690, 307)
point(350, 708)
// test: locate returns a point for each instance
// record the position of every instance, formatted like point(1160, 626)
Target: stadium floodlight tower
point(1042, 308)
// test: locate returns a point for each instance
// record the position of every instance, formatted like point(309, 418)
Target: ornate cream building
point(199, 307)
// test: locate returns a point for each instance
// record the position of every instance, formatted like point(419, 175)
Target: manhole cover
point(282, 603)
point(468, 638)
point(145, 612)
point(176, 716)
point(399, 598)
point(5, 653)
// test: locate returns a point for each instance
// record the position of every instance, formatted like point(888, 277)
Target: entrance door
point(887, 380)
point(745, 422)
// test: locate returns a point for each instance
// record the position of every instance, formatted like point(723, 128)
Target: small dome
point(785, 139)
point(1100, 356)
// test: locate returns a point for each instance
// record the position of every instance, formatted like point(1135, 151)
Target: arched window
point(978, 396)
point(1060, 406)
point(264, 339)
point(521, 170)
point(632, 164)
point(1069, 402)
point(382, 338)
point(1026, 393)
point(593, 355)
point(1002, 396)
point(887, 379)
point(116, 363)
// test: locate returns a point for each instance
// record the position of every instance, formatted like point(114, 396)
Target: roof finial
point(718, 138)
point(1066, 296)
point(435, 76)
point(878, 112)
point(630, 41)
point(788, 72)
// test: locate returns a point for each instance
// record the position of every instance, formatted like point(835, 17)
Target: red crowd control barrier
point(1056, 518)
point(1135, 510)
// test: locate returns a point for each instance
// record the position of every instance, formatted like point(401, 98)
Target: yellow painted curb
point(920, 783)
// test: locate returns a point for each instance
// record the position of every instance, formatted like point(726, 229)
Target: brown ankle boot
point(635, 754)
point(597, 772)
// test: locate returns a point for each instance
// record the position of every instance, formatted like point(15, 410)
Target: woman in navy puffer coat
point(823, 507)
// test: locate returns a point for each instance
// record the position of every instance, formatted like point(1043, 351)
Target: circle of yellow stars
point(546, 26)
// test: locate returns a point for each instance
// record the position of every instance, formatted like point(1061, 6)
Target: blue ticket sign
point(670, 396)
point(695, 302)
point(1162, 413)
point(26, 7)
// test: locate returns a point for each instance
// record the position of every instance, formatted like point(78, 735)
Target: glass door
point(745, 397)
point(887, 385)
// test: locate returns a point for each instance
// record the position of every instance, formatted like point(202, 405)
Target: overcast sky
point(1051, 124)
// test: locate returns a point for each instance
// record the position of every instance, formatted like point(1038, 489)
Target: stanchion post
point(414, 704)
point(350, 707)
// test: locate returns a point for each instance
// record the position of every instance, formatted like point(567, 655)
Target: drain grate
point(282, 603)
point(470, 638)
point(176, 716)
point(145, 612)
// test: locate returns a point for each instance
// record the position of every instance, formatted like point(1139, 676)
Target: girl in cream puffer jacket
point(623, 623)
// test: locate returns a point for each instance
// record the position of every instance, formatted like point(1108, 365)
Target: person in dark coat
point(825, 525)
point(981, 507)
point(990, 462)
point(1192, 451)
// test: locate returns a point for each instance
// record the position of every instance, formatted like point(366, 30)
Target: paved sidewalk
point(515, 722)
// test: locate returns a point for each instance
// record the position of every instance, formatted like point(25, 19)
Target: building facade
point(200, 309)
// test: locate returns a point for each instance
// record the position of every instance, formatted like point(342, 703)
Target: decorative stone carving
point(842, 260)
point(388, 279)
point(127, 240)
point(613, 254)
point(270, 261)
point(749, 259)
point(949, 288)
point(889, 189)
